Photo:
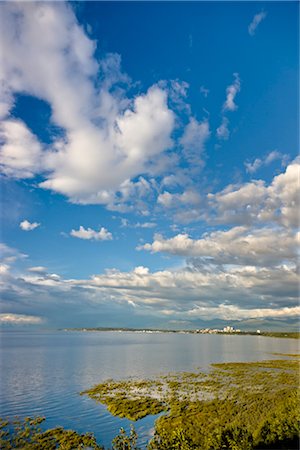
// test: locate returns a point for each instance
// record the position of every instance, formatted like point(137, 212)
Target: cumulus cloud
point(255, 22)
point(239, 245)
point(89, 234)
point(230, 312)
point(251, 203)
point(20, 319)
point(106, 137)
point(184, 207)
point(257, 202)
point(113, 148)
point(20, 152)
point(28, 226)
point(187, 198)
point(203, 292)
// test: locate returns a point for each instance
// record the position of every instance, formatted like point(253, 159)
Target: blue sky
point(149, 161)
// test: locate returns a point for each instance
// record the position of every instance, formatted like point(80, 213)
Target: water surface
point(42, 373)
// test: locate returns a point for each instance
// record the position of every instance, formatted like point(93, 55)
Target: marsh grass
point(235, 406)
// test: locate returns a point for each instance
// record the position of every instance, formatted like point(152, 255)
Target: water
point(42, 373)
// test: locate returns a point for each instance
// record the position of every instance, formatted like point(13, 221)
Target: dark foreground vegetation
point(27, 434)
point(236, 406)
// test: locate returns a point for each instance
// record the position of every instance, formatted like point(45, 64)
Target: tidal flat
point(43, 374)
point(236, 406)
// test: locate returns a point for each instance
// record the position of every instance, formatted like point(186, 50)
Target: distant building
point(228, 329)
point(258, 331)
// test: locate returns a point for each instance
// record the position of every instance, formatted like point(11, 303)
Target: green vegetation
point(134, 406)
point(281, 334)
point(28, 435)
point(124, 441)
point(237, 406)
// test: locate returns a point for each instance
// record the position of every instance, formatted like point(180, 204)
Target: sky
point(149, 164)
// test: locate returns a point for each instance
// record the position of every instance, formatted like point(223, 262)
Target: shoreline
point(274, 334)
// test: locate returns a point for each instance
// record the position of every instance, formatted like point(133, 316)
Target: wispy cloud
point(255, 22)
point(229, 105)
point(193, 140)
point(89, 234)
point(252, 167)
point(204, 91)
point(20, 319)
point(125, 223)
point(223, 131)
point(28, 226)
point(231, 93)
point(37, 269)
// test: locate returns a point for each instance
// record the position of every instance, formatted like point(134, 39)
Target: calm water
point(42, 373)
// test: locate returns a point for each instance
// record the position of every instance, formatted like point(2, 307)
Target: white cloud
point(254, 166)
point(230, 312)
point(199, 289)
point(179, 290)
point(255, 22)
point(132, 196)
point(222, 130)
point(107, 138)
point(231, 93)
point(193, 140)
point(27, 226)
point(232, 90)
point(145, 225)
point(274, 155)
point(255, 202)
point(37, 269)
point(126, 224)
point(20, 319)
point(20, 152)
point(187, 198)
point(114, 155)
point(238, 246)
point(4, 268)
point(102, 235)
point(9, 254)
point(177, 91)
